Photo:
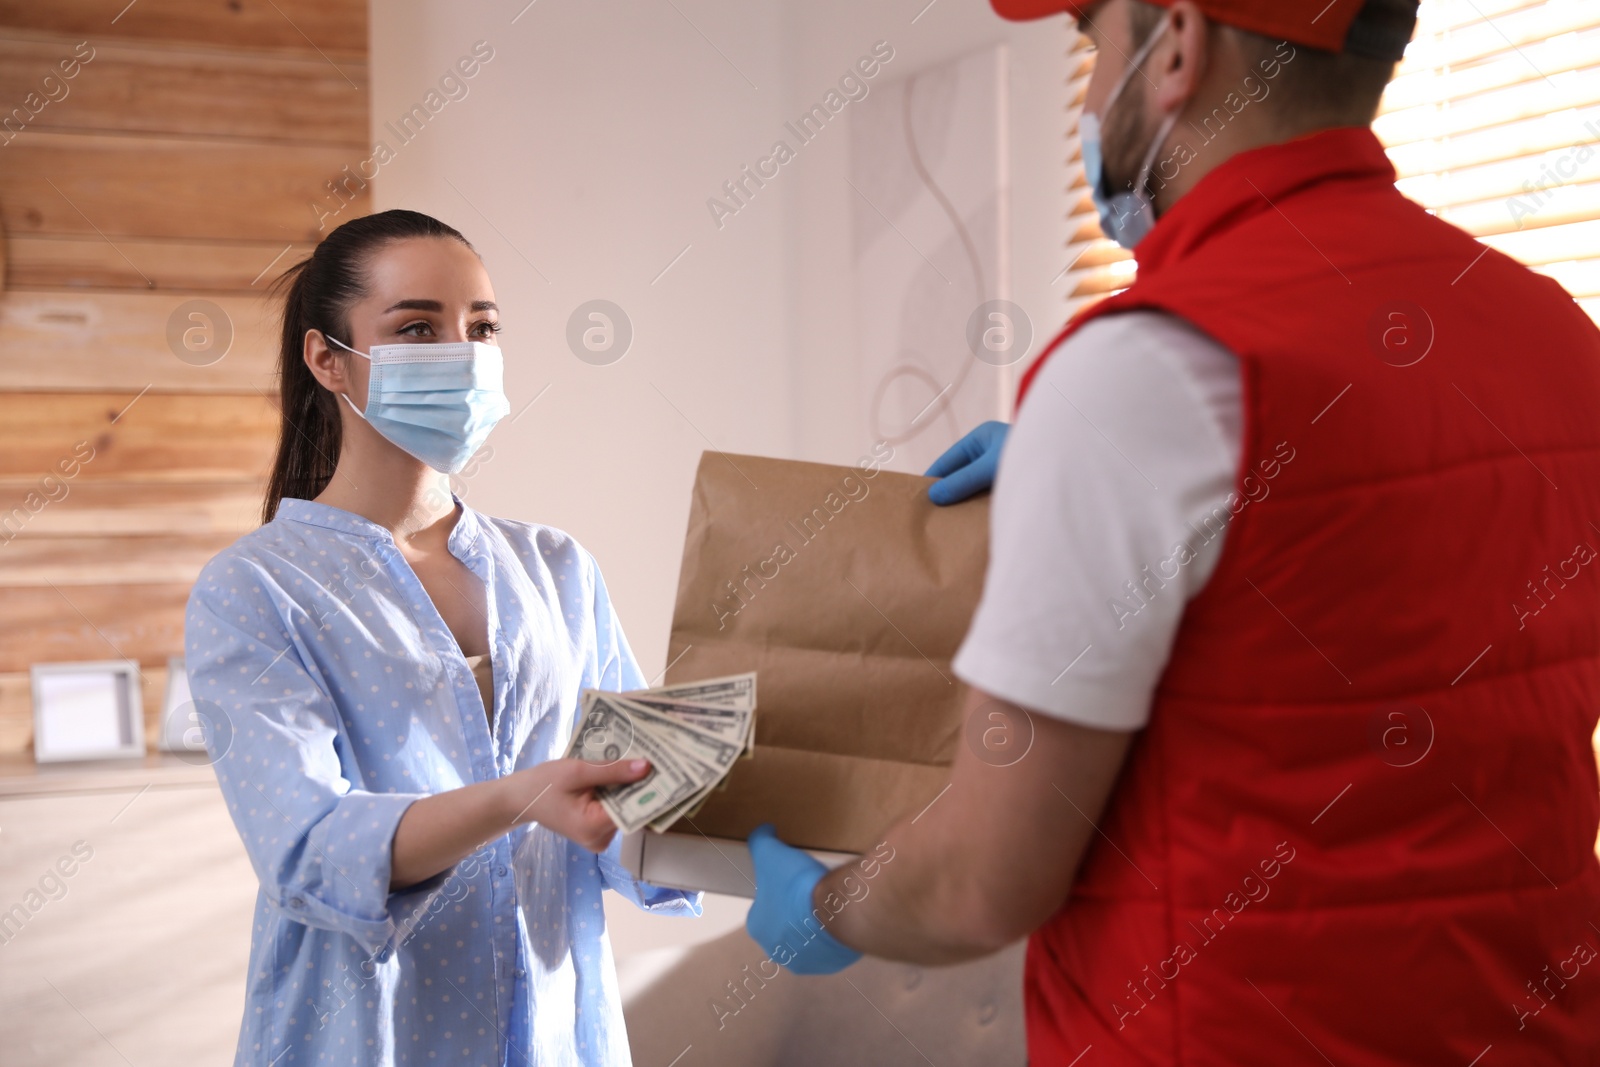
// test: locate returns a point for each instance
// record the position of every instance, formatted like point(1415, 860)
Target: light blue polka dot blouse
point(339, 696)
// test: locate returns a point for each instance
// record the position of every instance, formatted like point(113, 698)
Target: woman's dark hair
point(320, 290)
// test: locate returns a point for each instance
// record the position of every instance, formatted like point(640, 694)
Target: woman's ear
point(324, 362)
point(1179, 64)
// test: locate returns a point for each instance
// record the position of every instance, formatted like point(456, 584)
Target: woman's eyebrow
point(420, 304)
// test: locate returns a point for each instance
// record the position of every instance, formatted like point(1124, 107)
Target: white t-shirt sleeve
point(1099, 534)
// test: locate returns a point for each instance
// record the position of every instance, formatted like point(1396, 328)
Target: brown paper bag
point(848, 593)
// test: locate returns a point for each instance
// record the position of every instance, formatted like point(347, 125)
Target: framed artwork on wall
point(87, 711)
point(181, 728)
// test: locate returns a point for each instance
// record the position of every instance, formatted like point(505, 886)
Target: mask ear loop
point(357, 351)
point(1139, 56)
point(1139, 187)
point(1155, 150)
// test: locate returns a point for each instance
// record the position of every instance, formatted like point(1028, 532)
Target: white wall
point(585, 151)
point(587, 147)
point(822, 37)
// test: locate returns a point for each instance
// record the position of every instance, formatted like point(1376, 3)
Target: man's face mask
point(1126, 216)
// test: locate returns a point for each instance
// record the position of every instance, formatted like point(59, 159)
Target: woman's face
point(421, 290)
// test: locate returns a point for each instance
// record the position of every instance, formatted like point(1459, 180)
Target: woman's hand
point(560, 794)
point(438, 831)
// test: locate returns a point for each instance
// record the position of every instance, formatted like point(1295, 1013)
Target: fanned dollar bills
point(690, 733)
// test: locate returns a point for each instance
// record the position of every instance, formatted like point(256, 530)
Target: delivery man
point(1291, 629)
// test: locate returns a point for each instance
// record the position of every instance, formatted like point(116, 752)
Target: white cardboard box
point(715, 864)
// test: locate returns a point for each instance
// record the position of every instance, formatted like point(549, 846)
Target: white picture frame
point(181, 729)
point(87, 711)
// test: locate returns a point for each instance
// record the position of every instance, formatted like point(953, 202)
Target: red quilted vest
point(1360, 826)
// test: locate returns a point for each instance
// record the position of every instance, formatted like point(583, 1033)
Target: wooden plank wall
point(152, 155)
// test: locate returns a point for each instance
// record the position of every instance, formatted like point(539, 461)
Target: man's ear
point(1179, 65)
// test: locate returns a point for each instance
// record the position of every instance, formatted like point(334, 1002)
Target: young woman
point(390, 677)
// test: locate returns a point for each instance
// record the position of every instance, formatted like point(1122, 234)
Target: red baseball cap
point(1331, 28)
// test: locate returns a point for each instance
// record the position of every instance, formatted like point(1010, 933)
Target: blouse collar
point(312, 513)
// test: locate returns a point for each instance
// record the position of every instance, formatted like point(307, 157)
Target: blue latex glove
point(781, 919)
point(967, 467)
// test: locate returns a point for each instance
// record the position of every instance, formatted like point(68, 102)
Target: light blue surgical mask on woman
point(1128, 216)
point(436, 401)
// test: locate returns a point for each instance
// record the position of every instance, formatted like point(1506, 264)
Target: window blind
point(1492, 121)
point(1096, 267)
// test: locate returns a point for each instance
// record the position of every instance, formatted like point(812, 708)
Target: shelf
point(20, 776)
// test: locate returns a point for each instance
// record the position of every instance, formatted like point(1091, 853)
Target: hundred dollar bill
point(687, 807)
point(725, 721)
point(732, 724)
point(683, 809)
point(690, 733)
point(608, 732)
point(695, 801)
point(733, 691)
point(703, 746)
